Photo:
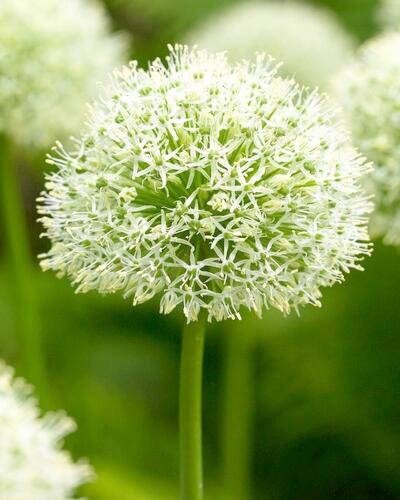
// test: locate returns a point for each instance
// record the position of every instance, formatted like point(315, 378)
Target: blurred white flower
point(389, 14)
point(309, 40)
point(32, 464)
point(52, 55)
point(369, 90)
point(244, 190)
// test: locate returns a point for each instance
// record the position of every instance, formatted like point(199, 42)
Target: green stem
point(190, 410)
point(18, 258)
point(237, 415)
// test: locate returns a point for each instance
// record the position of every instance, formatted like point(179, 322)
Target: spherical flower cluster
point(32, 464)
point(52, 55)
point(308, 40)
point(214, 185)
point(369, 91)
point(389, 14)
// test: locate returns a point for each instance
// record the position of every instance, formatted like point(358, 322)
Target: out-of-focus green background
point(327, 384)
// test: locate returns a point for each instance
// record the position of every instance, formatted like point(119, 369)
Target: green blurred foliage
point(156, 23)
point(359, 16)
point(114, 481)
point(327, 383)
point(159, 22)
point(334, 425)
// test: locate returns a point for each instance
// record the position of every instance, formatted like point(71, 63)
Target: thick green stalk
point(237, 414)
point(190, 410)
point(20, 269)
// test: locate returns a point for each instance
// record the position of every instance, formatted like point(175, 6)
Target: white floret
point(52, 55)
point(245, 190)
point(369, 91)
point(33, 465)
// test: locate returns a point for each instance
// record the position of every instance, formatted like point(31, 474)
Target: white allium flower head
point(33, 465)
point(52, 55)
point(369, 90)
point(389, 14)
point(309, 40)
point(214, 185)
